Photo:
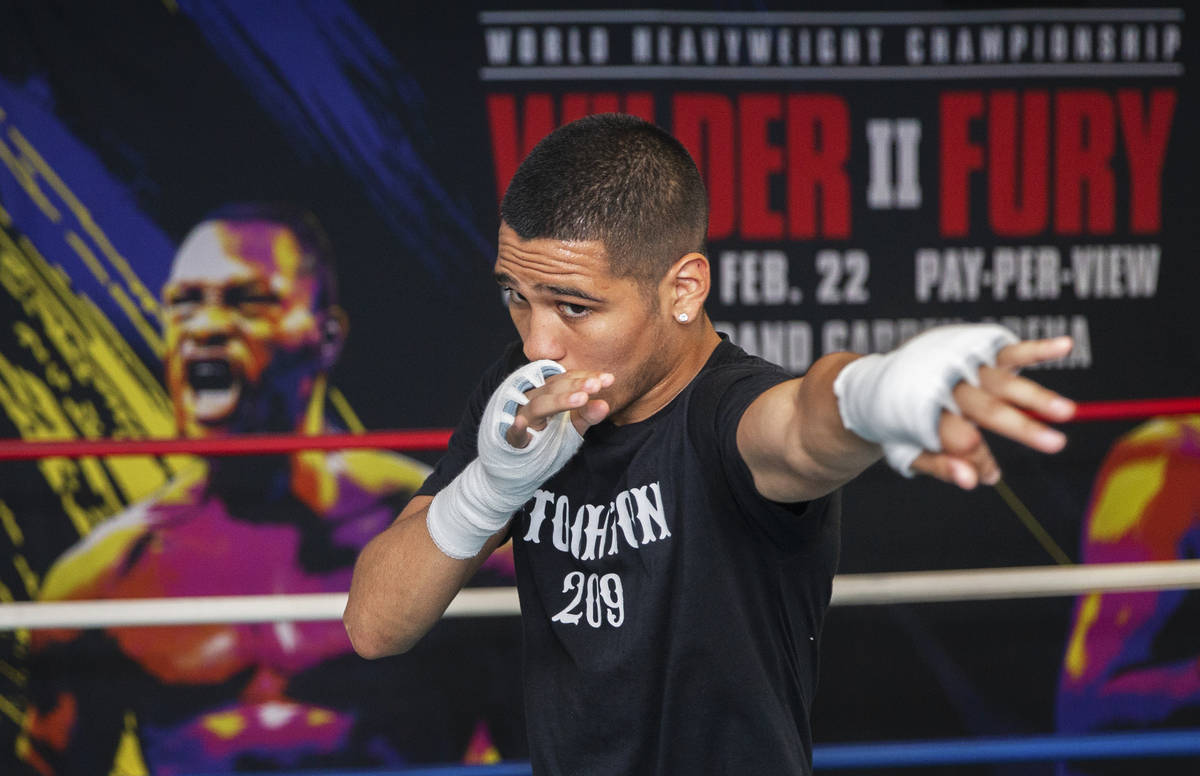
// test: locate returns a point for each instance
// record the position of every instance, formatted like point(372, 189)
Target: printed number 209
point(599, 597)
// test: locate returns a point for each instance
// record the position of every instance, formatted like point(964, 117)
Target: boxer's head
point(252, 320)
point(601, 249)
point(616, 180)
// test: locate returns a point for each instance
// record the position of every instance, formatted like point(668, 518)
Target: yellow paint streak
point(9, 672)
point(10, 710)
point(1124, 497)
point(84, 338)
point(88, 257)
point(25, 397)
point(345, 411)
point(11, 528)
point(5, 218)
point(150, 404)
point(314, 414)
point(381, 473)
point(1161, 430)
point(137, 476)
point(57, 378)
point(94, 474)
point(84, 216)
point(1077, 647)
point(1156, 430)
point(318, 717)
point(30, 165)
point(63, 476)
point(29, 339)
point(36, 412)
point(178, 490)
point(179, 462)
point(80, 338)
point(317, 483)
point(225, 725)
point(148, 332)
point(24, 176)
point(32, 408)
point(314, 483)
point(286, 251)
point(29, 577)
point(128, 760)
point(80, 568)
point(84, 416)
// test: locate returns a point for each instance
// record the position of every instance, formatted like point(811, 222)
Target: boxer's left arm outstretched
point(796, 439)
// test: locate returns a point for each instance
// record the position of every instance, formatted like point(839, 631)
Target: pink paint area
point(278, 733)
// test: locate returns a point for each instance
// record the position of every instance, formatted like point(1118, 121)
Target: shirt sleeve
point(722, 399)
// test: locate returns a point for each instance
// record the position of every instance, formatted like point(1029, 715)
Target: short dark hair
point(616, 179)
point(317, 256)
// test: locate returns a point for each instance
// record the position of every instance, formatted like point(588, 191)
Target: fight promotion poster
point(873, 170)
point(873, 173)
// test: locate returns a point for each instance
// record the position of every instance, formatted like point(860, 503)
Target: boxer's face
point(242, 335)
point(568, 307)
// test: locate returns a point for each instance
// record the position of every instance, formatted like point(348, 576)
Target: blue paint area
point(29, 111)
point(341, 98)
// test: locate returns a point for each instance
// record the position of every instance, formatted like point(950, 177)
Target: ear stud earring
point(682, 317)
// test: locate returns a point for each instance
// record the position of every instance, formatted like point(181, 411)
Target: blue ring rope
point(1099, 746)
point(899, 754)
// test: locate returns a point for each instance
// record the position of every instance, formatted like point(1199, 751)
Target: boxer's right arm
point(406, 577)
point(403, 583)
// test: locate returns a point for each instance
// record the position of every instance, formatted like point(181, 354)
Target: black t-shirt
point(671, 615)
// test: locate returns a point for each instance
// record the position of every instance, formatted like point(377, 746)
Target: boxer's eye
point(250, 296)
point(180, 297)
point(571, 310)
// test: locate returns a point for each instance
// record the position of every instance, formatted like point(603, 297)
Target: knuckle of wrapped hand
point(962, 441)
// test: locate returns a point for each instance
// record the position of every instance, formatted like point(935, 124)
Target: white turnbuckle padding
point(896, 399)
point(482, 498)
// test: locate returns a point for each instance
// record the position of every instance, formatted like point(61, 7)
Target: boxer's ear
point(685, 287)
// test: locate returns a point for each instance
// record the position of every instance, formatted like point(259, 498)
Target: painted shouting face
point(245, 336)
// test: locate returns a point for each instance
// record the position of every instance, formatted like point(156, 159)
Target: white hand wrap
point(482, 498)
point(897, 399)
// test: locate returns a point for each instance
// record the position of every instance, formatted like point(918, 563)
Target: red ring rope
point(1136, 408)
point(428, 439)
point(246, 444)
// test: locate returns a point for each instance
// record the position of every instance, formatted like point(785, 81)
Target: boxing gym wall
point(873, 170)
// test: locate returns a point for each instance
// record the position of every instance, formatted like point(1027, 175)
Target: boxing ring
point(872, 589)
